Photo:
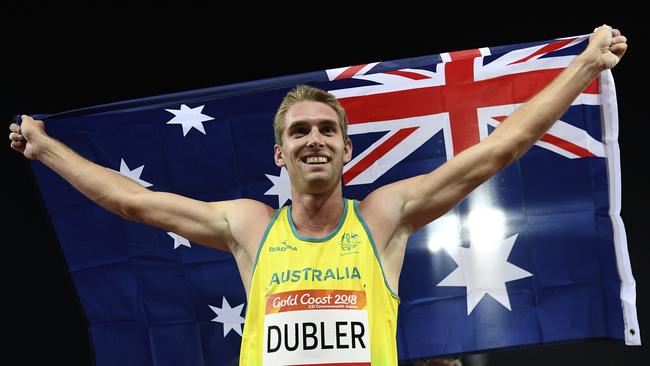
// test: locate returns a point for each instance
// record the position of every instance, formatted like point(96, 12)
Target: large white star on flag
point(179, 240)
point(133, 174)
point(281, 186)
point(189, 118)
point(230, 317)
point(484, 271)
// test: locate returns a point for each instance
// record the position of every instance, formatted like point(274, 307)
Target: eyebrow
point(300, 123)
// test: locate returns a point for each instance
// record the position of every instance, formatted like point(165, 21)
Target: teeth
point(316, 159)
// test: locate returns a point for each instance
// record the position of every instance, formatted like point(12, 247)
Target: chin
point(318, 185)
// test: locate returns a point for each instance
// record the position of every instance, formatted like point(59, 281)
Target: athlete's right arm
point(219, 225)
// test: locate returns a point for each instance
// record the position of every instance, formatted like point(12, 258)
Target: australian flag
point(537, 254)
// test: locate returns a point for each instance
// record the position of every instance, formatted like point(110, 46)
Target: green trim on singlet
point(266, 233)
point(259, 250)
point(324, 238)
point(374, 247)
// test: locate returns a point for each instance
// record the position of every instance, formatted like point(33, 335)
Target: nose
point(314, 138)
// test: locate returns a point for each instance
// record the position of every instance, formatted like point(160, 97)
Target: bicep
point(201, 222)
point(429, 196)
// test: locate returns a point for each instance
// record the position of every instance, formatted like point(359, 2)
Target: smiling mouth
point(315, 160)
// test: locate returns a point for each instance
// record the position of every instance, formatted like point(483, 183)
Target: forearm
point(105, 187)
point(533, 119)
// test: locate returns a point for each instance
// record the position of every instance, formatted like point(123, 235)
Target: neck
point(316, 215)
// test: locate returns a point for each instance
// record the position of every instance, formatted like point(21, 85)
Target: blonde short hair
point(302, 93)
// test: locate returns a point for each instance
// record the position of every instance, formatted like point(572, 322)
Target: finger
point(616, 32)
point(618, 49)
point(604, 26)
point(17, 145)
point(16, 137)
point(619, 39)
point(14, 127)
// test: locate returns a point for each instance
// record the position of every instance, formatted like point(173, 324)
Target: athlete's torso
point(319, 300)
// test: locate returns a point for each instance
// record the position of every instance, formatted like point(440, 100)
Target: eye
point(299, 131)
point(328, 130)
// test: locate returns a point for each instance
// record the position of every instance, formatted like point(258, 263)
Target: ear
point(277, 155)
point(347, 151)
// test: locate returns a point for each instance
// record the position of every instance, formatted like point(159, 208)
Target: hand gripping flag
point(537, 254)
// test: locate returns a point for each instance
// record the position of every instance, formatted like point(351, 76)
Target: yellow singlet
point(316, 301)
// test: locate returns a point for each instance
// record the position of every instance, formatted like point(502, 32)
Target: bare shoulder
point(384, 203)
point(247, 220)
point(382, 211)
point(246, 206)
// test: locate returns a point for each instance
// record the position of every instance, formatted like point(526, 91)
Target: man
point(331, 296)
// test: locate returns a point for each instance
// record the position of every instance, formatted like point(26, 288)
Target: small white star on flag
point(230, 317)
point(133, 174)
point(281, 186)
point(189, 118)
point(179, 240)
point(484, 271)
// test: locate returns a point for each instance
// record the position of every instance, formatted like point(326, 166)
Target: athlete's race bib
point(315, 327)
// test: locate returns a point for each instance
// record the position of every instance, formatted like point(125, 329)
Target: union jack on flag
point(537, 254)
point(461, 95)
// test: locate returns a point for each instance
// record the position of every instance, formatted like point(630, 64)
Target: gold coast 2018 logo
point(349, 243)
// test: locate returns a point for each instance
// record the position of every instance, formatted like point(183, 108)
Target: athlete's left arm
point(414, 202)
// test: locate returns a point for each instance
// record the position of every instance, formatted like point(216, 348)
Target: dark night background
point(56, 59)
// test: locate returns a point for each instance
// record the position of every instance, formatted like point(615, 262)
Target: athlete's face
point(313, 149)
